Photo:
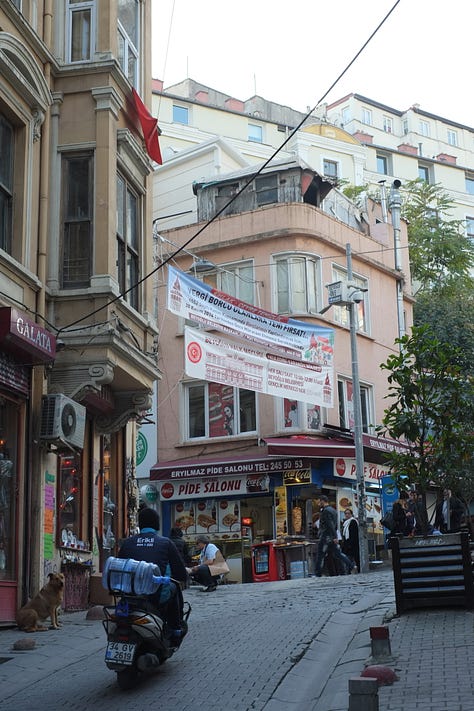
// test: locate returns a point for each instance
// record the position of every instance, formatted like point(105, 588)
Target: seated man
point(148, 545)
point(209, 570)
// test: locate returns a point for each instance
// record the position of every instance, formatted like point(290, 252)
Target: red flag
point(150, 129)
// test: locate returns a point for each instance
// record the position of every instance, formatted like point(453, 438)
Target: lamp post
point(395, 205)
point(349, 295)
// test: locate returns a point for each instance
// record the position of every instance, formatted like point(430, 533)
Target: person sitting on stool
point(201, 572)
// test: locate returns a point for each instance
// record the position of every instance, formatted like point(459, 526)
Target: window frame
point(387, 123)
point(176, 111)
point(126, 46)
point(7, 184)
point(470, 228)
point(426, 170)
point(327, 163)
point(255, 133)
point(305, 420)
point(128, 244)
point(226, 271)
point(341, 314)
point(211, 412)
point(366, 116)
point(469, 180)
point(424, 128)
point(69, 221)
point(379, 157)
point(452, 137)
point(76, 7)
point(266, 189)
point(346, 412)
point(312, 263)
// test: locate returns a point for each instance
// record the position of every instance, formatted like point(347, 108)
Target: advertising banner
point(192, 299)
point(224, 486)
point(346, 468)
point(220, 359)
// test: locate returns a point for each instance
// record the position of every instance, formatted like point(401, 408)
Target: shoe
point(211, 588)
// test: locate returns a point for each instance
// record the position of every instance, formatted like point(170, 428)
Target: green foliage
point(432, 409)
point(441, 256)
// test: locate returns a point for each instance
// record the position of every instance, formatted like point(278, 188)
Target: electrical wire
point(246, 184)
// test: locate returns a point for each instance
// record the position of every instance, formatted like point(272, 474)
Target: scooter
point(138, 641)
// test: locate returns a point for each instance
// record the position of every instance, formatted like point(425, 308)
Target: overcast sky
point(292, 52)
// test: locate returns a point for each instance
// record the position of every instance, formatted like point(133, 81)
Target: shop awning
point(375, 448)
point(24, 338)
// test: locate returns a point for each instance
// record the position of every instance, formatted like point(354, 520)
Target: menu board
point(209, 516)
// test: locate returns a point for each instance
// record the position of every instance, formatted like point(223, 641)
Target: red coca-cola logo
point(167, 490)
point(340, 467)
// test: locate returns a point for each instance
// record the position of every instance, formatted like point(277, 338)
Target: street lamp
point(349, 294)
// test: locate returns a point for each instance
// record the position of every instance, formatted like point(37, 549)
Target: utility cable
point(246, 184)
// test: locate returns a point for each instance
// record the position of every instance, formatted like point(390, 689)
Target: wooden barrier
point(432, 571)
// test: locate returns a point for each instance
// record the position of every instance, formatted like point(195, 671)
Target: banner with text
point(192, 299)
point(224, 360)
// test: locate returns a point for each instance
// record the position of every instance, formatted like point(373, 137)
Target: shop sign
point(346, 468)
point(294, 476)
point(198, 470)
point(141, 448)
point(234, 486)
point(149, 492)
point(19, 333)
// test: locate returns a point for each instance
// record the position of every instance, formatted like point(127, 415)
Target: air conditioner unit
point(63, 421)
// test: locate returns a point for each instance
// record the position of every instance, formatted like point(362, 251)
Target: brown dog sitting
point(44, 604)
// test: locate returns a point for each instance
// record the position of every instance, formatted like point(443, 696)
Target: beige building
point(78, 330)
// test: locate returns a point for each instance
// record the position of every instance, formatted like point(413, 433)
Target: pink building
point(244, 466)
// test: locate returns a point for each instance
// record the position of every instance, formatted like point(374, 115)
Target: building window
point(11, 425)
point(470, 183)
point(424, 128)
point(330, 169)
point(216, 410)
point(341, 313)
point(470, 229)
point(128, 272)
point(424, 172)
point(297, 284)
point(346, 405)
point(128, 38)
point(367, 116)
point(346, 115)
point(80, 30)
point(452, 138)
point(77, 221)
point(301, 415)
point(255, 133)
point(237, 280)
point(387, 124)
point(266, 189)
point(383, 164)
point(180, 114)
point(406, 127)
point(7, 147)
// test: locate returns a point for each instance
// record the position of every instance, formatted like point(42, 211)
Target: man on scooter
point(149, 546)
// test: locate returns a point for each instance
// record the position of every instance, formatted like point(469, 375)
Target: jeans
point(326, 545)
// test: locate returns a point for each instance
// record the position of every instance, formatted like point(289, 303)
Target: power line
point(246, 184)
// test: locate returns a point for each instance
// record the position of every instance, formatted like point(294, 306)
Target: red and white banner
point(224, 360)
point(216, 487)
point(346, 468)
point(301, 340)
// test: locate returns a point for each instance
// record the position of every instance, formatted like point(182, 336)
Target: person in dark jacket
point(176, 535)
point(399, 512)
point(328, 541)
point(449, 509)
point(350, 537)
point(148, 545)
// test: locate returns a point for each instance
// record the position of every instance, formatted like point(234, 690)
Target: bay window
point(81, 30)
point(297, 284)
point(128, 38)
point(7, 146)
point(77, 221)
point(128, 272)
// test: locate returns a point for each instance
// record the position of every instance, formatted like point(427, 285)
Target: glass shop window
point(109, 533)
point(9, 426)
point(69, 498)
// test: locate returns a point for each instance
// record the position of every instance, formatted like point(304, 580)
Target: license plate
point(120, 652)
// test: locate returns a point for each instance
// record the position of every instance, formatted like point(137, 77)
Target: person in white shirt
point(201, 572)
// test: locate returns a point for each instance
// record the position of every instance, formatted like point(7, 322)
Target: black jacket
point(155, 549)
point(183, 549)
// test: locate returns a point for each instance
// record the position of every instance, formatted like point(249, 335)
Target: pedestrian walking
point(350, 537)
point(328, 541)
point(449, 513)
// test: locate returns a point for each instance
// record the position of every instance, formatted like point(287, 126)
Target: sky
point(292, 52)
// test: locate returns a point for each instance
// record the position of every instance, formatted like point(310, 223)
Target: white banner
point(346, 468)
point(192, 299)
point(224, 360)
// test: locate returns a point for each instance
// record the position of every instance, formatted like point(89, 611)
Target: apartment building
point(239, 464)
point(77, 326)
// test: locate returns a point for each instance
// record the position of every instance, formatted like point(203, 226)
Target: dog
point(44, 604)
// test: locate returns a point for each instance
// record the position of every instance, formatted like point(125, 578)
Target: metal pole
point(395, 207)
point(359, 447)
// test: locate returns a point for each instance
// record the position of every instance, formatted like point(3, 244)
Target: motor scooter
point(138, 640)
